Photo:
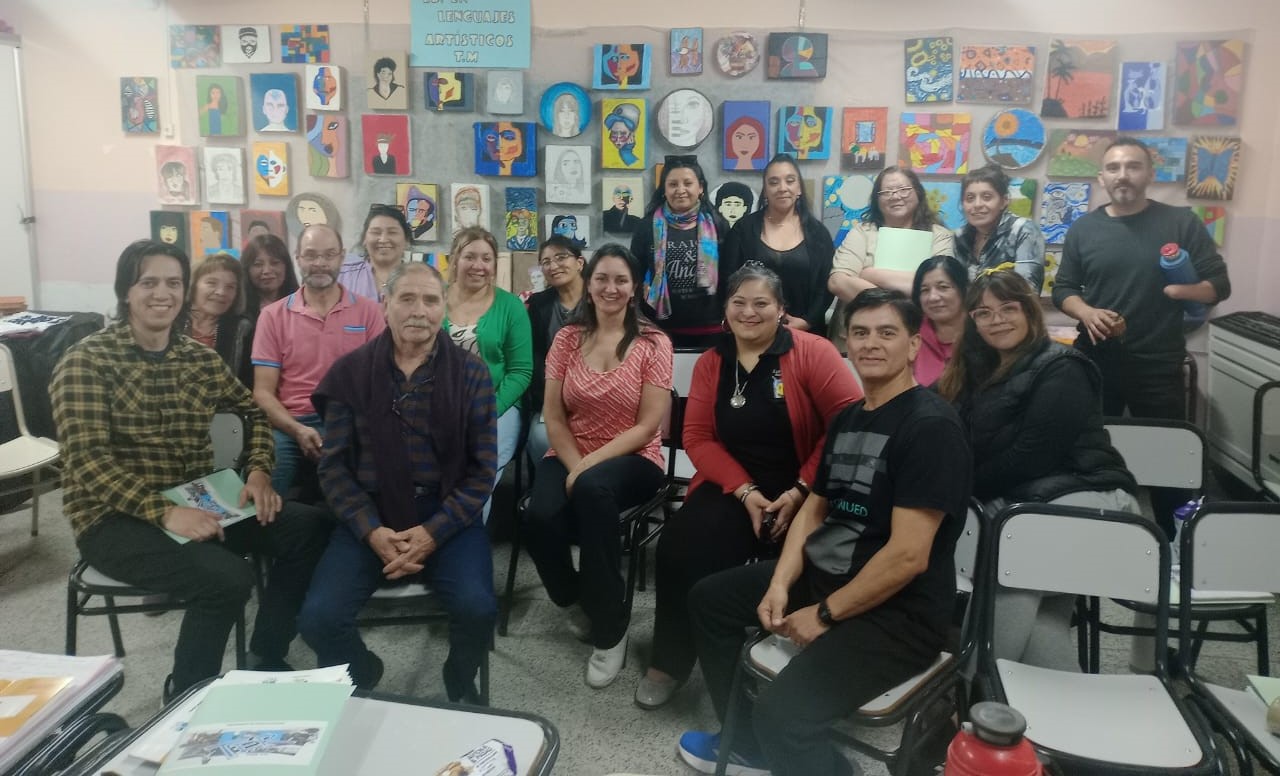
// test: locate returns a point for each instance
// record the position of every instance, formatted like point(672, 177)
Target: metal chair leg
point(72, 614)
point(509, 597)
point(484, 680)
point(732, 712)
point(1264, 646)
point(242, 657)
point(116, 640)
point(35, 502)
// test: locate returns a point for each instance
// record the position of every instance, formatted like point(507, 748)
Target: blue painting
point(1013, 138)
point(565, 109)
point(944, 199)
point(522, 218)
point(1168, 157)
point(1142, 89)
point(273, 99)
point(621, 66)
point(1060, 206)
point(506, 148)
point(928, 69)
point(686, 51)
point(846, 200)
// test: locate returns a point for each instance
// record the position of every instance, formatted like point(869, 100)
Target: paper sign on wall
point(472, 34)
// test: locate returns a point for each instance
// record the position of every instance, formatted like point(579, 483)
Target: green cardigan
point(506, 345)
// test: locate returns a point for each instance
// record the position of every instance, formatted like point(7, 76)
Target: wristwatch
point(824, 614)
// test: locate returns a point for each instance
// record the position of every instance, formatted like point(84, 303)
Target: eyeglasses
point(314, 255)
point(901, 193)
point(559, 258)
point(985, 316)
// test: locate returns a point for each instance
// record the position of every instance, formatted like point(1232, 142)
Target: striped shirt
point(133, 423)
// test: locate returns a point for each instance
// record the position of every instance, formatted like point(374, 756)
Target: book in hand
point(218, 493)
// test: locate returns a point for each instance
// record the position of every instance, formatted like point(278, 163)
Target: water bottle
point(991, 744)
point(1178, 270)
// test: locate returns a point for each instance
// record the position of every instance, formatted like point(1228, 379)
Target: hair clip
point(1008, 266)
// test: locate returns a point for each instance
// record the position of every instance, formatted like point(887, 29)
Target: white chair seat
point(92, 576)
point(1249, 713)
point(1126, 719)
point(1207, 599)
point(25, 454)
point(964, 584)
point(403, 592)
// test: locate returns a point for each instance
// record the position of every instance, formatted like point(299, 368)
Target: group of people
point(826, 503)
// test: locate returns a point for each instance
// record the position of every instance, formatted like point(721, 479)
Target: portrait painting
point(223, 174)
point(324, 87)
point(623, 198)
point(1142, 90)
point(844, 202)
point(1213, 163)
point(170, 227)
point(506, 148)
point(259, 222)
point(1014, 138)
point(928, 67)
point(796, 55)
point(246, 44)
point(271, 168)
point(737, 54)
point(139, 106)
point(624, 134)
point(385, 146)
point(504, 92)
point(567, 174)
point(1060, 206)
point(1077, 153)
point(935, 143)
point(1003, 75)
point(273, 100)
point(449, 90)
point(864, 138)
point(1079, 79)
point(573, 227)
point(177, 175)
point(1208, 80)
point(621, 66)
point(521, 220)
point(304, 44)
point(307, 208)
point(746, 135)
point(218, 105)
point(685, 118)
point(388, 76)
point(1215, 220)
point(804, 131)
point(686, 51)
point(209, 232)
point(419, 201)
point(565, 109)
point(468, 206)
point(1168, 158)
point(328, 144)
point(944, 199)
point(732, 200)
point(194, 45)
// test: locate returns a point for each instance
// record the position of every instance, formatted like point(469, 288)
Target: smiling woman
point(384, 239)
point(216, 320)
point(992, 235)
point(561, 262)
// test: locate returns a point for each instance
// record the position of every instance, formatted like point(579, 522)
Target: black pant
point(591, 517)
point(850, 664)
point(711, 532)
point(215, 580)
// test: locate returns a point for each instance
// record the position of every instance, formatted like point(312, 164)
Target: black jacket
point(540, 306)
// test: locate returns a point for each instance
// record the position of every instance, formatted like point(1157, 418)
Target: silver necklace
point(737, 400)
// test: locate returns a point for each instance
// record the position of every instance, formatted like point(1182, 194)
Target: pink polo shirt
point(303, 345)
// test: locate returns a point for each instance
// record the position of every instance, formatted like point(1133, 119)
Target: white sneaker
point(578, 623)
point(604, 664)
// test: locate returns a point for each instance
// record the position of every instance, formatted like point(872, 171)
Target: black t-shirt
point(910, 452)
point(692, 306)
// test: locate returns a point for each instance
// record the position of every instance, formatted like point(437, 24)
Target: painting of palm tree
point(1080, 78)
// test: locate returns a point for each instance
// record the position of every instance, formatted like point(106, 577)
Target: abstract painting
point(209, 232)
point(419, 201)
point(328, 146)
point(1061, 205)
point(623, 198)
point(194, 45)
point(737, 54)
point(386, 147)
point(1079, 80)
point(271, 168)
point(388, 75)
point(223, 168)
point(246, 44)
point(624, 134)
point(1142, 88)
point(506, 148)
point(170, 226)
point(804, 131)
point(864, 139)
point(567, 174)
point(139, 106)
point(1215, 220)
point(1208, 79)
point(1169, 157)
point(522, 218)
point(449, 90)
point(178, 175)
point(944, 199)
point(746, 135)
point(685, 118)
point(469, 205)
point(304, 44)
point(574, 227)
point(621, 66)
point(935, 143)
point(1212, 166)
point(273, 101)
point(928, 69)
point(218, 105)
point(1022, 196)
point(324, 87)
point(1013, 138)
point(504, 92)
point(796, 55)
point(259, 222)
point(686, 51)
point(1077, 153)
point(996, 74)
point(565, 109)
point(845, 200)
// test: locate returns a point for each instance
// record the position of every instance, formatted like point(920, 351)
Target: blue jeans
point(289, 457)
point(537, 444)
point(460, 571)
point(508, 437)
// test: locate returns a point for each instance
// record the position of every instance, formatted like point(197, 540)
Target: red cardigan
point(818, 384)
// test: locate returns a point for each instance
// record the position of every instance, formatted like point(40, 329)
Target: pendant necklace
point(737, 400)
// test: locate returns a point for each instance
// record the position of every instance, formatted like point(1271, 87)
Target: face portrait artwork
point(218, 105)
point(448, 90)
point(418, 202)
point(176, 174)
point(170, 227)
point(804, 131)
point(309, 208)
point(386, 144)
point(565, 109)
point(522, 218)
point(621, 66)
point(245, 44)
point(746, 135)
point(623, 197)
point(470, 205)
point(685, 118)
point(271, 169)
point(733, 200)
point(327, 143)
point(506, 148)
point(623, 130)
point(505, 93)
point(566, 174)
point(387, 72)
point(274, 97)
point(210, 232)
point(323, 84)
point(572, 227)
point(223, 175)
point(259, 222)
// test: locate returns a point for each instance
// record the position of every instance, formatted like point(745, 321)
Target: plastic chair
point(26, 454)
point(1075, 720)
point(1265, 457)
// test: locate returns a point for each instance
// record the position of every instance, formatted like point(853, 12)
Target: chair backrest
point(970, 539)
point(1160, 453)
point(1232, 546)
point(9, 383)
point(682, 370)
point(227, 432)
point(1265, 460)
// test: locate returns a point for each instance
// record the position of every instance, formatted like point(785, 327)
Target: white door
point(17, 224)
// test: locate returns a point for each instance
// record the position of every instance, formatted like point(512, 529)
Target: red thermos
point(991, 744)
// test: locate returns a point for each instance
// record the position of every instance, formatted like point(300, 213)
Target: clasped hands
point(783, 509)
point(402, 552)
point(801, 626)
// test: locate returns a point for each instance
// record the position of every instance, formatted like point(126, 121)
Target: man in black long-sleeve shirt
point(1130, 317)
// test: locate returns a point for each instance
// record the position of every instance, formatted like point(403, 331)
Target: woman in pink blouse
point(608, 389)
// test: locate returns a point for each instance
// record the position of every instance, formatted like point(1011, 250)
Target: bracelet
point(747, 492)
point(803, 487)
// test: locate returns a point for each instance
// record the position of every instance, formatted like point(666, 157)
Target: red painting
point(1080, 79)
point(385, 144)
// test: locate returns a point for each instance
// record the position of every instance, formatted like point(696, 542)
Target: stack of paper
point(38, 692)
point(29, 322)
